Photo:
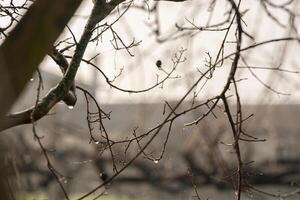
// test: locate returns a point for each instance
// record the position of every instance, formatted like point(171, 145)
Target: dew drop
point(32, 79)
point(70, 107)
point(65, 181)
point(97, 142)
point(155, 161)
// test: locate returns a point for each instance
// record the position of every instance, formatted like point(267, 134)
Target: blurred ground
point(199, 150)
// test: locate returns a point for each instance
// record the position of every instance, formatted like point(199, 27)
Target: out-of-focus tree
point(30, 38)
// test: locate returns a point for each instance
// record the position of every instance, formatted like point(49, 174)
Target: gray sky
point(140, 71)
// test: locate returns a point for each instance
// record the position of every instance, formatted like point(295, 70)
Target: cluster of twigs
point(12, 12)
point(232, 24)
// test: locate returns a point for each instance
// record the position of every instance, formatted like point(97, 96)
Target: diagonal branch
point(28, 43)
point(56, 94)
point(70, 98)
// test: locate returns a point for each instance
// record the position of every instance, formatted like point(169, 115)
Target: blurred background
point(196, 159)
